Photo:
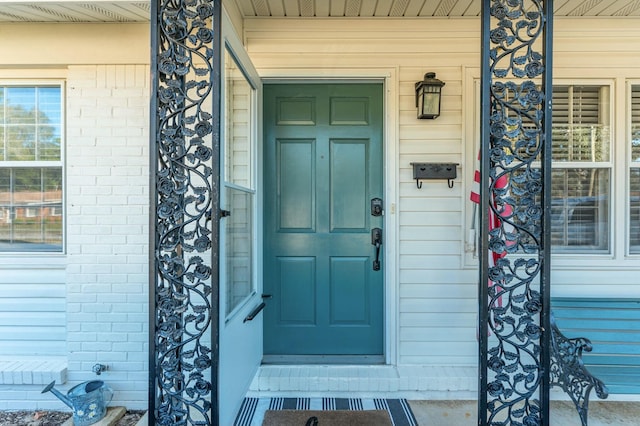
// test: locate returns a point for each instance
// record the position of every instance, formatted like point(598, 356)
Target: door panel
point(297, 291)
point(349, 304)
point(348, 185)
point(323, 165)
point(296, 180)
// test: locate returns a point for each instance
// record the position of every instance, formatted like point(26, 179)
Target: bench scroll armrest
point(569, 372)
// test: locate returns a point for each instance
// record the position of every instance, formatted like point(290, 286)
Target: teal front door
point(323, 168)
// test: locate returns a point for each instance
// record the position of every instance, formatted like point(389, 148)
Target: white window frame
point(605, 165)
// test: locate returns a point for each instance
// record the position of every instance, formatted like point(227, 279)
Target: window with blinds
point(581, 163)
point(31, 168)
point(634, 173)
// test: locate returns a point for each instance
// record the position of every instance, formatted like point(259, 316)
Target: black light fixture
point(428, 95)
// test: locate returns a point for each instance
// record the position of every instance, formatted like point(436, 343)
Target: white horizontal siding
point(436, 320)
point(32, 307)
point(436, 299)
point(437, 290)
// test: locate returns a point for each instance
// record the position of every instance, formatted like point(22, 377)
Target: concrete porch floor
point(422, 387)
point(563, 413)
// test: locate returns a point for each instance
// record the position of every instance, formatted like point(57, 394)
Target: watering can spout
point(59, 395)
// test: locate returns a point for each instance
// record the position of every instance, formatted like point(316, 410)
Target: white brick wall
point(107, 231)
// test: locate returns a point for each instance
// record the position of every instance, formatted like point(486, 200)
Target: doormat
point(252, 412)
point(326, 418)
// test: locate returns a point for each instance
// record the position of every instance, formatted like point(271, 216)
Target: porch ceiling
point(139, 11)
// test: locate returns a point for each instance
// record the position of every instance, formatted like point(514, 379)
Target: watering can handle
point(108, 390)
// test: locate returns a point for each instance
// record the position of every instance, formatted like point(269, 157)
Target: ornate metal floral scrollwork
point(516, 142)
point(184, 198)
point(568, 371)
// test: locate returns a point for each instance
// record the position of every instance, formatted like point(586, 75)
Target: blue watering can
point(88, 400)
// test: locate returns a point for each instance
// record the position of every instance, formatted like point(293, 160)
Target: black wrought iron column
point(184, 189)
point(514, 295)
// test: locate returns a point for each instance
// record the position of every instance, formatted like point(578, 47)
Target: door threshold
point(323, 359)
point(366, 381)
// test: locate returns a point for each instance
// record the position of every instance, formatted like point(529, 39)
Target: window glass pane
point(634, 213)
point(238, 94)
point(5, 205)
point(635, 123)
point(580, 196)
point(21, 105)
point(20, 116)
point(49, 143)
point(238, 248)
point(31, 209)
point(581, 123)
point(30, 123)
point(5, 191)
point(52, 206)
point(2, 123)
point(634, 173)
point(50, 123)
point(21, 143)
point(52, 182)
point(49, 104)
point(3, 98)
point(580, 209)
point(27, 185)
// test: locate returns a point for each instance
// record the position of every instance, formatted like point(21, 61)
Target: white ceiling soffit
point(139, 11)
point(419, 8)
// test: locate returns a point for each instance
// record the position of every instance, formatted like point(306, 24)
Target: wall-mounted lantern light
point(428, 94)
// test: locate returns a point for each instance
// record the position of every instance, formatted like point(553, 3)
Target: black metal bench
point(599, 344)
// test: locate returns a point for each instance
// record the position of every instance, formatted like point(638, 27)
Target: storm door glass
point(239, 193)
